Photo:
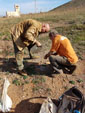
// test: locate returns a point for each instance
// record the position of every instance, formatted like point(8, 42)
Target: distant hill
point(70, 5)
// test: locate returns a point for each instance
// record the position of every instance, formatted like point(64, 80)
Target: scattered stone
point(47, 63)
point(79, 80)
point(83, 86)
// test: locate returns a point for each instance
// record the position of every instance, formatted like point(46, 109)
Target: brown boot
point(72, 69)
point(22, 72)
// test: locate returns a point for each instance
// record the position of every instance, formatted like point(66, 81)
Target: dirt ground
point(28, 94)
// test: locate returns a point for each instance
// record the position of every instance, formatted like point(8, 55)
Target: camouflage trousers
point(20, 54)
point(61, 62)
point(19, 57)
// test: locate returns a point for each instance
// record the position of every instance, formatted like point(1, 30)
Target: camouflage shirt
point(25, 32)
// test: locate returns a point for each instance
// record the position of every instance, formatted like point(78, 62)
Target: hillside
point(70, 5)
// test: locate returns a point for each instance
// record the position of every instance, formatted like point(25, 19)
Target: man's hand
point(46, 56)
point(38, 44)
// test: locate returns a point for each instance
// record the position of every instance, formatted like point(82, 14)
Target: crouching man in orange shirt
point(61, 56)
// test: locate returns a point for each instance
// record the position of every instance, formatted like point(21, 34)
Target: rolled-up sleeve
point(29, 37)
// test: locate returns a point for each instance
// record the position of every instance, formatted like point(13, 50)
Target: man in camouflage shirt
point(24, 35)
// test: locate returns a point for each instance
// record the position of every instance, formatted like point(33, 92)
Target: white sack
point(5, 100)
point(48, 107)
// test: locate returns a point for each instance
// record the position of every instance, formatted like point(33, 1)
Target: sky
point(28, 6)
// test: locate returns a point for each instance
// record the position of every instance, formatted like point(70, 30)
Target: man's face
point(45, 28)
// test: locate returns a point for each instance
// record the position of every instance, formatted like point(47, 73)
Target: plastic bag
point(72, 101)
point(48, 107)
point(5, 100)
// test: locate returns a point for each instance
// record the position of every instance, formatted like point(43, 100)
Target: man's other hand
point(46, 56)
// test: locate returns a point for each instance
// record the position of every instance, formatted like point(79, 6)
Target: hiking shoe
point(56, 72)
point(22, 72)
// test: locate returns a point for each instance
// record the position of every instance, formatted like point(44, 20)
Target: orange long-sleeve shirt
point(62, 46)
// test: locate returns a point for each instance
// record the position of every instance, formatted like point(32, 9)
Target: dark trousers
point(61, 62)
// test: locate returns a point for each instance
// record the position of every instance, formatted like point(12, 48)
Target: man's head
point(45, 28)
point(53, 34)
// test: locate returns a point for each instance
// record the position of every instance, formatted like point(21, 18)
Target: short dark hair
point(53, 33)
